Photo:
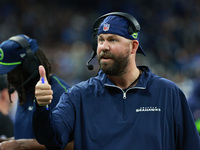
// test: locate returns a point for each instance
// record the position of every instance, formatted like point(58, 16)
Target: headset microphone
point(90, 67)
point(33, 75)
point(11, 90)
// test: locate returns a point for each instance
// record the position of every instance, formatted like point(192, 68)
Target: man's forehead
point(109, 35)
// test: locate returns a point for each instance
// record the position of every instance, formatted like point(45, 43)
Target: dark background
point(170, 33)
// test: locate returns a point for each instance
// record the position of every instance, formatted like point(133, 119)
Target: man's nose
point(105, 46)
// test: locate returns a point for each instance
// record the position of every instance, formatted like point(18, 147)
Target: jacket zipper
point(124, 97)
point(124, 92)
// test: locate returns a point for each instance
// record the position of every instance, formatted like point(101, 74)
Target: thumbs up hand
point(43, 92)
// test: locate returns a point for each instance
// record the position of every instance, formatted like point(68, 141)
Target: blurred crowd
point(170, 33)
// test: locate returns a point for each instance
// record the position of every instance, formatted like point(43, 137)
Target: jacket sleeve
point(51, 127)
point(185, 130)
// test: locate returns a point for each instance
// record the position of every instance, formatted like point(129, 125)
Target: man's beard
point(118, 66)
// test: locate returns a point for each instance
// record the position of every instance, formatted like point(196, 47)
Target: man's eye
point(100, 40)
point(112, 40)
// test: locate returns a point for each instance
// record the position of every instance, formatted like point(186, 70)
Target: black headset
point(30, 63)
point(134, 26)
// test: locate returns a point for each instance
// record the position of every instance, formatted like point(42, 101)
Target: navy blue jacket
point(153, 115)
point(23, 119)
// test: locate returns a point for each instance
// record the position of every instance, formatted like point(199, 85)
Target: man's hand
point(9, 145)
point(21, 144)
point(43, 92)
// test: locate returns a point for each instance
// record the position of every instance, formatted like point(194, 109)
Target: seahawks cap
point(12, 53)
point(119, 25)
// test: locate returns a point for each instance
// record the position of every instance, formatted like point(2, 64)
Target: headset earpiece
point(94, 42)
point(30, 63)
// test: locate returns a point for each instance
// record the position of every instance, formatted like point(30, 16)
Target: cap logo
point(106, 27)
point(135, 35)
point(1, 54)
point(22, 55)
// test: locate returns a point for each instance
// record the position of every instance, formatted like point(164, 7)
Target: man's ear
point(135, 45)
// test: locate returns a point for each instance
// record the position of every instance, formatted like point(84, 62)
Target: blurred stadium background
point(170, 34)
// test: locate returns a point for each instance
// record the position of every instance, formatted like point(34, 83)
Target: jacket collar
point(142, 82)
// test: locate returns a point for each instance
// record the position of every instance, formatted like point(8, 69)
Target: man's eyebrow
point(109, 36)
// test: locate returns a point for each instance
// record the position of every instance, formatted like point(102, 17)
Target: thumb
point(42, 73)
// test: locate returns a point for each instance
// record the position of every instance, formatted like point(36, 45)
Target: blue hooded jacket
point(153, 115)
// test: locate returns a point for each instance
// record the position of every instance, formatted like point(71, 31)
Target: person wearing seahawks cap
point(20, 57)
point(124, 107)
